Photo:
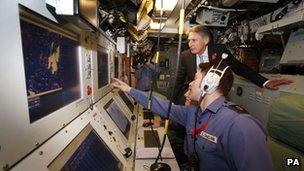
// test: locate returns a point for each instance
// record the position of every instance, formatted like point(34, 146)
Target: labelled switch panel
point(88, 64)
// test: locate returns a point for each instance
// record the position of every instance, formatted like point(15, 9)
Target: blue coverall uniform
point(231, 141)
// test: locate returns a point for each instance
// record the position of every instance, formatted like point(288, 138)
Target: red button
point(89, 90)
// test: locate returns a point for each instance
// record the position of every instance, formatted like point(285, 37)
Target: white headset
point(213, 77)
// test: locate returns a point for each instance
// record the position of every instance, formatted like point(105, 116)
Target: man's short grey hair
point(202, 30)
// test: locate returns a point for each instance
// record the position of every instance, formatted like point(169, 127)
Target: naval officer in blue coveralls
point(226, 140)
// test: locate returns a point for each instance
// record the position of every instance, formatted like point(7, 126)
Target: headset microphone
point(212, 79)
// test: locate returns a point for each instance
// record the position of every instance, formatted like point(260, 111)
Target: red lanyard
point(201, 128)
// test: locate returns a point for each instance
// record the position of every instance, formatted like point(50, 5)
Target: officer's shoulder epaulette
point(236, 108)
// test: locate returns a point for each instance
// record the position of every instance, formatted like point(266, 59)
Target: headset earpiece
point(213, 77)
point(211, 80)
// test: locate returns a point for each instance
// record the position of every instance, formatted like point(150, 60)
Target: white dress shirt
point(203, 58)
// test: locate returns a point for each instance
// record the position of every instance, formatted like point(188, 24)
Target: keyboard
point(151, 138)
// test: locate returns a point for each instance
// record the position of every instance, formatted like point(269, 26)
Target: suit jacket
point(188, 67)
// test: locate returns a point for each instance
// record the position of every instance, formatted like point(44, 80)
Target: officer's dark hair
point(203, 31)
point(227, 79)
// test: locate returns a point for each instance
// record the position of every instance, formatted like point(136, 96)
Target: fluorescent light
point(156, 25)
point(168, 5)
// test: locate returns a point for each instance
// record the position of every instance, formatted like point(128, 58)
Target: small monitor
point(126, 100)
point(51, 64)
point(103, 70)
point(118, 117)
point(87, 151)
point(116, 65)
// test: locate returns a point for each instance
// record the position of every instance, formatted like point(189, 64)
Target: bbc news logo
point(293, 162)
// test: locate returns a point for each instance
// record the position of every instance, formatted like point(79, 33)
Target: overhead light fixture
point(168, 5)
point(156, 25)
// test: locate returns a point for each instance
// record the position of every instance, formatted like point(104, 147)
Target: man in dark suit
point(202, 50)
